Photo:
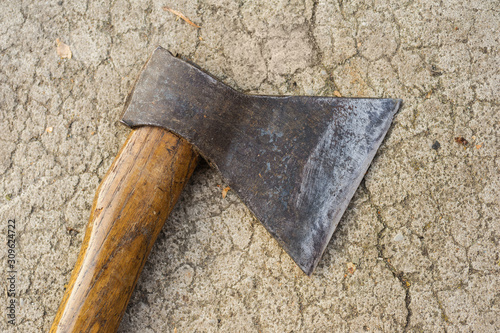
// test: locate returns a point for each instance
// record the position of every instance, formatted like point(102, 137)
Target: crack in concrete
point(468, 75)
point(399, 275)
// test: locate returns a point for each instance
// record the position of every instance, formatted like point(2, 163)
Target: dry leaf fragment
point(70, 230)
point(479, 146)
point(351, 267)
point(461, 140)
point(179, 14)
point(337, 93)
point(224, 192)
point(63, 50)
point(49, 129)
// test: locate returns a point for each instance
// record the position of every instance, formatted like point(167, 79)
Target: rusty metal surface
point(295, 161)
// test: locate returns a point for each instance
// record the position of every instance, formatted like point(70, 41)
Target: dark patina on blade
point(295, 161)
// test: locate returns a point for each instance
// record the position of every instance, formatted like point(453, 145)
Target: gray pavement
point(418, 249)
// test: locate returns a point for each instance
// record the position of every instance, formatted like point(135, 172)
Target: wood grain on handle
point(130, 207)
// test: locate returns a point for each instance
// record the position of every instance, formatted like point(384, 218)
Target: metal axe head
point(295, 161)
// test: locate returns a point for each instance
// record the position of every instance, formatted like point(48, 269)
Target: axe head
point(295, 161)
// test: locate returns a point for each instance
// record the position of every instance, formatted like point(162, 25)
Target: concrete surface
point(418, 249)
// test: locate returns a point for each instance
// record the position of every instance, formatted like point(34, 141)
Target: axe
point(295, 161)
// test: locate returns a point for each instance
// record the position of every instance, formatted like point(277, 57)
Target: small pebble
point(436, 145)
point(399, 237)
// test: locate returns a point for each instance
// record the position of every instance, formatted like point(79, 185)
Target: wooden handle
point(130, 207)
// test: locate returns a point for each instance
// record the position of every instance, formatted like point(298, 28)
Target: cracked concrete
point(423, 230)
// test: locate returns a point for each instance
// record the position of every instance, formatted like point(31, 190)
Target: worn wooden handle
point(130, 207)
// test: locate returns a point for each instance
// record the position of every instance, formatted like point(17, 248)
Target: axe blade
point(295, 161)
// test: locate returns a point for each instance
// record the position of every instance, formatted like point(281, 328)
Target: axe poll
point(295, 161)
